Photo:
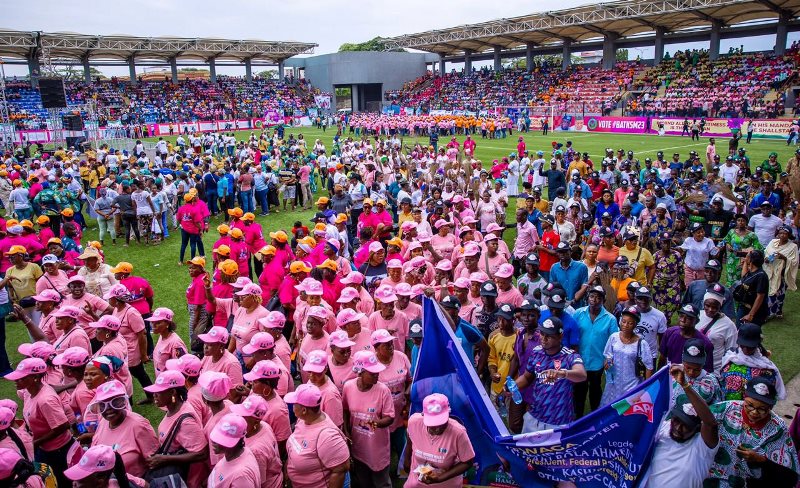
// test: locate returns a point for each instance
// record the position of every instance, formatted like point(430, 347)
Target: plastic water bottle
point(79, 425)
point(500, 402)
point(610, 372)
point(512, 388)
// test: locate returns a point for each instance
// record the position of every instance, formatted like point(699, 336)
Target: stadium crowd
point(566, 278)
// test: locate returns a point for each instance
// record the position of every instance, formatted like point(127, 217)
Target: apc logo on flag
point(639, 404)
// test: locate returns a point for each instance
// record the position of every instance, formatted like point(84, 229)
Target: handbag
point(171, 475)
point(640, 368)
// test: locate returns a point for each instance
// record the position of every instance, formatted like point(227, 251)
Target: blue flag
point(612, 446)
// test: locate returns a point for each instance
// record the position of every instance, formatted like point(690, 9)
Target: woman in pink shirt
point(315, 337)
point(318, 454)
point(102, 467)
point(73, 363)
point(491, 260)
point(438, 444)
point(273, 324)
point(264, 379)
point(133, 331)
point(44, 415)
point(131, 434)
point(237, 467)
point(396, 376)
point(66, 321)
point(216, 356)
point(506, 293)
point(387, 317)
point(273, 273)
point(246, 317)
point(260, 439)
point(444, 241)
point(196, 297)
point(214, 388)
point(169, 344)
point(340, 363)
point(170, 394)
point(53, 278)
point(331, 401)
point(190, 219)
point(113, 345)
point(368, 415)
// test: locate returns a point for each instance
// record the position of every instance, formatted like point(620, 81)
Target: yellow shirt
point(644, 260)
point(501, 351)
point(25, 283)
point(405, 217)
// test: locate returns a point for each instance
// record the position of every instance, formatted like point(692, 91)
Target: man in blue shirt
point(596, 325)
point(469, 336)
point(572, 275)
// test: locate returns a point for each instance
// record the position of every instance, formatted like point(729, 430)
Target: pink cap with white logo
point(68, 311)
point(273, 320)
point(217, 334)
point(97, 459)
point(106, 322)
point(316, 362)
point(435, 410)
point(27, 367)
point(116, 291)
point(313, 287)
point(229, 430)
point(471, 249)
point(381, 336)
point(72, 357)
point(339, 338)
point(444, 265)
point(347, 315)
point(214, 385)
point(6, 417)
point(505, 271)
point(403, 290)
point(39, 349)
point(318, 312)
point(347, 295)
point(394, 264)
point(253, 406)
point(367, 360)
point(263, 370)
point(47, 296)
point(353, 277)
point(260, 341)
point(188, 364)
point(251, 289)
point(161, 313)
point(166, 380)
point(462, 283)
point(385, 294)
point(307, 395)
point(109, 389)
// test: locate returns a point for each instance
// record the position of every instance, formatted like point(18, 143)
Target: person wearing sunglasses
point(131, 434)
point(754, 447)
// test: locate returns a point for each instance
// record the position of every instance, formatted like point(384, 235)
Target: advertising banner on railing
point(672, 126)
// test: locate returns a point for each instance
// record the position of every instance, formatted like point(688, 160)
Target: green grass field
point(159, 264)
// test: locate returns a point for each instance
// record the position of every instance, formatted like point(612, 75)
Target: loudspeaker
point(72, 122)
point(52, 92)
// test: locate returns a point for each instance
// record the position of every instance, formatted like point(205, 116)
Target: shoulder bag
point(640, 368)
point(170, 475)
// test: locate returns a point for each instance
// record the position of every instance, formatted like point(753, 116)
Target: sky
point(328, 24)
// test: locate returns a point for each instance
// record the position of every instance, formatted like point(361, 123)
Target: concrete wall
point(348, 68)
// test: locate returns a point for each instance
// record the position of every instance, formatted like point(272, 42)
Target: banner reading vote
point(610, 447)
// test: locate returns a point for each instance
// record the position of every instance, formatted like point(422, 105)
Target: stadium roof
point(69, 45)
point(623, 19)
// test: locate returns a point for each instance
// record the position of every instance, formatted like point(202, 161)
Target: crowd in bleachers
point(164, 101)
point(732, 86)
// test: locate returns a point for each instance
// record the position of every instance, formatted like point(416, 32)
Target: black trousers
point(141, 376)
point(57, 460)
point(592, 386)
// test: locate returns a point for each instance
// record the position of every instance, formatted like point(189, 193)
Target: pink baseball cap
point(469, 220)
point(307, 395)
point(394, 264)
point(353, 278)
point(229, 431)
point(106, 322)
point(418, 289)
point(259, 342)
point(490, 237)
point(39, 349)
point(241, 282)
point(97, 459)
point(505, 271)
point(493, 227)
point(347, 315)
point(253, 406)
point(347, 295)
point(441, 223)
point(462, 283)
point(316, 362)
point(374, 246)
point(478, 277)
point(367, 360)
point(263, 370)
point(216, 334)
point(6, 417)
point(471, 249)
point(48, 295)
point(457, 199)
point(27, 367)
point(72, 357)
point(9, 404)
point(8, 460)
point(414, 245)
point(273, 320)
point(188, 364)
point(68, 311)
point(214, 385)
point(423, 237)
point(381, 336)
point(418, 262)
point(444, 265)
point(339, 338)
point(318, 312)
point(251, 289)
point(109, 389)
point(402, 289)
point(76, 279)
point(385, 294)
point(166, 380)
point(116, 291)
point(313, 288)
point(435, 410)
point(407, 225)
point(161, 313)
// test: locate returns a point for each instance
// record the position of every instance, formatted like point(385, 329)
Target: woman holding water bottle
point(623, 351)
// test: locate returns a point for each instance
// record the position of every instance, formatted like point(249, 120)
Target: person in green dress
point(738, 242)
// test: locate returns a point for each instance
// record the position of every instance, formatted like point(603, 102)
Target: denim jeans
point(261, 199)
point(23, 213)
point(196, 244)
point(246, 199)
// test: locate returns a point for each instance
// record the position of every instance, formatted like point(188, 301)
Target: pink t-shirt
point(134, 439)
point(363, 339)
point(310, 344)
point(397, 326)
point(196, 293)
point(245, 325)
point(271, 279)
point(239, 472)
point(50, 282)
point(314, 450)
point(303, 173)
point(331, 402)
point(221, 310)
point(171, 347)
point(441, 452)
point(43, 413)
point(195, 399)
point(512, 296)
point(444, 245)
point(278, 417)
point(214, 458)
point(73, 337)
point(370, 445)
point(265, 449)
point(190, 218)
point(227, 364)
point(395, 376)
point(117, 348)
point(79, 399)
point(341, 373)
point(27, 442)
point(140, 291)
point(283, 351)
point(97, 304)
point(132, 326)
point(190, 437)
point(48, 326)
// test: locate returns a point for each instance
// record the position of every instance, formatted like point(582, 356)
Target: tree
point(269, 74)
point(622, 55)
point(375, 44)
point(75, 73)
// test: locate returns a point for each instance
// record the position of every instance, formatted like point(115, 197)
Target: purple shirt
point(523, 348)
point(552, 402)
point(672, 347)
